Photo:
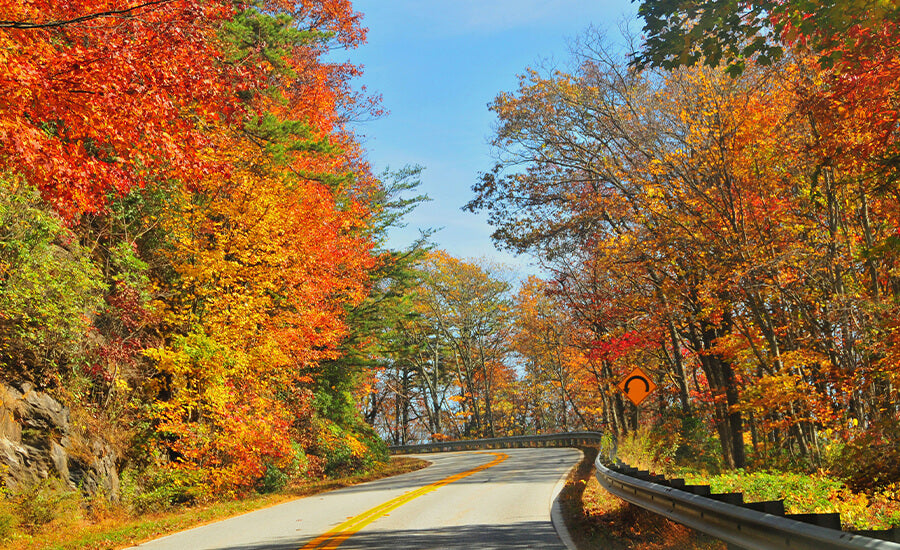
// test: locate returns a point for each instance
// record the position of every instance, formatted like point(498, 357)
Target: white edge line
point(556, 515)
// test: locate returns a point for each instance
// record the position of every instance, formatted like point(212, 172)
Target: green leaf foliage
point(49, 289)
point(713, 32)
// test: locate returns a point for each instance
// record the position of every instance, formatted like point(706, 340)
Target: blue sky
point(437, 64)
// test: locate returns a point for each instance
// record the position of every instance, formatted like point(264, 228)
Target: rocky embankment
point(37, 441)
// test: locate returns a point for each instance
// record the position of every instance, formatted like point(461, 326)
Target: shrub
point(673, 442)
point(698, 447)
point(344, 452)
point(161, 488)
point(7, 522)
point(43, 502)
point(871, 460)
point(274, 480)
point(635, 450)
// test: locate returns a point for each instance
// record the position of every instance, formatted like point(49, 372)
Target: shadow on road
point(523, 536)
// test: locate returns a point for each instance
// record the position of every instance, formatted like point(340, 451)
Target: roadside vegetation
point(598, 520)
point(831, 488)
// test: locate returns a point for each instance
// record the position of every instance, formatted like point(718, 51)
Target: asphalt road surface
point(464, 500)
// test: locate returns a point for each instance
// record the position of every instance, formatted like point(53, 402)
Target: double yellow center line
point(335, 537)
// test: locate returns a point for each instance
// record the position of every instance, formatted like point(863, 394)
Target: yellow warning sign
point(637, 386)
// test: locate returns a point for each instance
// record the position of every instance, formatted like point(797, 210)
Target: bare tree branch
point(50, 24)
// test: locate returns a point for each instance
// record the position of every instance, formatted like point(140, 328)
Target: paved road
point(465, 500)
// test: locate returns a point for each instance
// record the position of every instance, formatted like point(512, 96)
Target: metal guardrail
point(739, 525)
point(567, 439)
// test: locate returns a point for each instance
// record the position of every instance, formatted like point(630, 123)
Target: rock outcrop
point(37, 442)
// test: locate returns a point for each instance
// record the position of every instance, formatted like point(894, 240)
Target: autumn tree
point(451, 362)
point(94, 107)
point(468, 304)
point(717, 228)
point(222, 226)
point(264, 264)
point(545, 337)
point(684, 33)
point(375, 350)
point(845, 94)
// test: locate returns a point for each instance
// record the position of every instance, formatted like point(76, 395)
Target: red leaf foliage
point(91, 108)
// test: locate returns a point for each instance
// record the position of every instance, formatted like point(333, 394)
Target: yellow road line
point(335, 537)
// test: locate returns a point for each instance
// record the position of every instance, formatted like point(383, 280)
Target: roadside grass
point(810, 493)
point(114, 528)
point(597, 519)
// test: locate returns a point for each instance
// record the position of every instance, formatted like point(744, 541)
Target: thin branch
point(50, 24)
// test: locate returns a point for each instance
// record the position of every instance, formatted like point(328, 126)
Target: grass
point(811, 493)
point(597, 519)
point(114, 528)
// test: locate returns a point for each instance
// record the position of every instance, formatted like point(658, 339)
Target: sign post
point(637, 386)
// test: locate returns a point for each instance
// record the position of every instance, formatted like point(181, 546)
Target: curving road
point(479, 499)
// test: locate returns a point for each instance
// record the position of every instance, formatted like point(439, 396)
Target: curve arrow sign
point(637, 386)
point(642, 379)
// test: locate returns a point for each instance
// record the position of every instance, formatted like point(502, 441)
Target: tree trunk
point(723, 386)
